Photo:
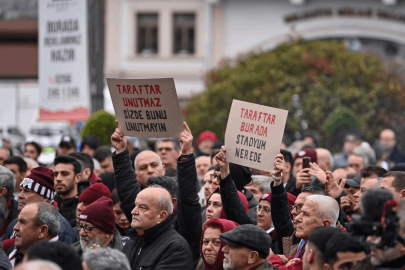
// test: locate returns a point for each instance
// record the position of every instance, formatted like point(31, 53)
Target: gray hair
point(48, 215)
point(105, 259)
point(175, 142)
point(163, 202)
point(328, 207)
point(263, 182)
point(39, 265)
point(367, 151)
point(7, 181)
point(364, 157)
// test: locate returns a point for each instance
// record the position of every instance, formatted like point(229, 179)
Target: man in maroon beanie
point(97, 227)
point(38, 187)
point(90, 195)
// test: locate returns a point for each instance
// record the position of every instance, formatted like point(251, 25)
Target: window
point(147, 34)
point(184, 34)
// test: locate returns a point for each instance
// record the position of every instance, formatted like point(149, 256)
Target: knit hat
point(94, 192)
point(101, 214)
point(311, 153)
point(267, 196)
point(40, 181)
point(207, 135)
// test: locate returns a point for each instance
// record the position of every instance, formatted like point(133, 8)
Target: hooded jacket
point(159, 248)
point(224, 226)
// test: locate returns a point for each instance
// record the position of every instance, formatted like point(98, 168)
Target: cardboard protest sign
point(146, 108)
point(254, 134)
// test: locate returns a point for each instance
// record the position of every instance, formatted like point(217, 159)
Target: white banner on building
point(63, 60)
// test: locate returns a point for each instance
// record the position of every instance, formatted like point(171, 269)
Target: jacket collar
point(154, 232)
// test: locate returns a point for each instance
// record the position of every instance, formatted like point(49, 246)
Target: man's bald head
point(153, 205)
point(148, 164)
point(202, 165)
point(387, 138)
point(38, 265)
point(325, 160)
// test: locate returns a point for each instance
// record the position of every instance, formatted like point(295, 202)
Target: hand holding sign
point(146, 108)
point(118, 139)
point(222, 163)
point(279, 165)
point(253, 134)
point(186, 140)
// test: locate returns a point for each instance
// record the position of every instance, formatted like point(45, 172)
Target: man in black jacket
point(156, 245)
point(67, 175)
point(187, 220)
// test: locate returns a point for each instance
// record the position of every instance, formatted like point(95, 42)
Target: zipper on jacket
point(140, 250)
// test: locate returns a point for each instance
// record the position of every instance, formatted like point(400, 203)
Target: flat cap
point(249, 236)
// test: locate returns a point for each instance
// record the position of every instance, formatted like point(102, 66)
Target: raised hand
point(303, 178)
point(331, 186)
point(118, 139)
point(222, 163)
point(316, 171)
point(186, 140)
point(279, 165)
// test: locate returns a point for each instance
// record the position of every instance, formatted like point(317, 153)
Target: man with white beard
point(97, 227)
point(247, 247)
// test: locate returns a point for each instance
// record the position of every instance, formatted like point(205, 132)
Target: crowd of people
point(186, 207)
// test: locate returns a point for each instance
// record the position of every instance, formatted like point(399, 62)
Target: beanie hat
point(100, 213)
point(94, 192)
point(40, 181)
point(207, 135)
point(267, 196)
point(311, 153)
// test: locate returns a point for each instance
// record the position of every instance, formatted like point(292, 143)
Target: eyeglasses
point(213, 177)
point(86, 228)
point(167, 149)
point(258, 208)
point(297, 208)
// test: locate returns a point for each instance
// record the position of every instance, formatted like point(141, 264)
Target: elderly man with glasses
point(97, 227)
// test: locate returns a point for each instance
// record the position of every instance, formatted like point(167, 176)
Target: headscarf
point(241, 196)
point(224, 226)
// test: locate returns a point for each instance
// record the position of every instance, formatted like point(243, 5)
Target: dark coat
point(291, 184)
point(126, 183)
point(233, 206)
point(281, 216)
point(67, 208)
point(160, 248)
point(66, 233)
point(188, 219)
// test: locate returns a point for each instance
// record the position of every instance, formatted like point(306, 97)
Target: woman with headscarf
point(214, 205)
point(211, 246)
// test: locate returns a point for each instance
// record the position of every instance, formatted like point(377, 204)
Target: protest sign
point(146, 108)
point(254, 134)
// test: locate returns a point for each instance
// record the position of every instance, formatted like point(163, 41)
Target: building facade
point(186, 38)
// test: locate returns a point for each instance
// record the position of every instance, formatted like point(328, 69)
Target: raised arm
point(189, 219)
point(126, 183)
point(233, 206)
